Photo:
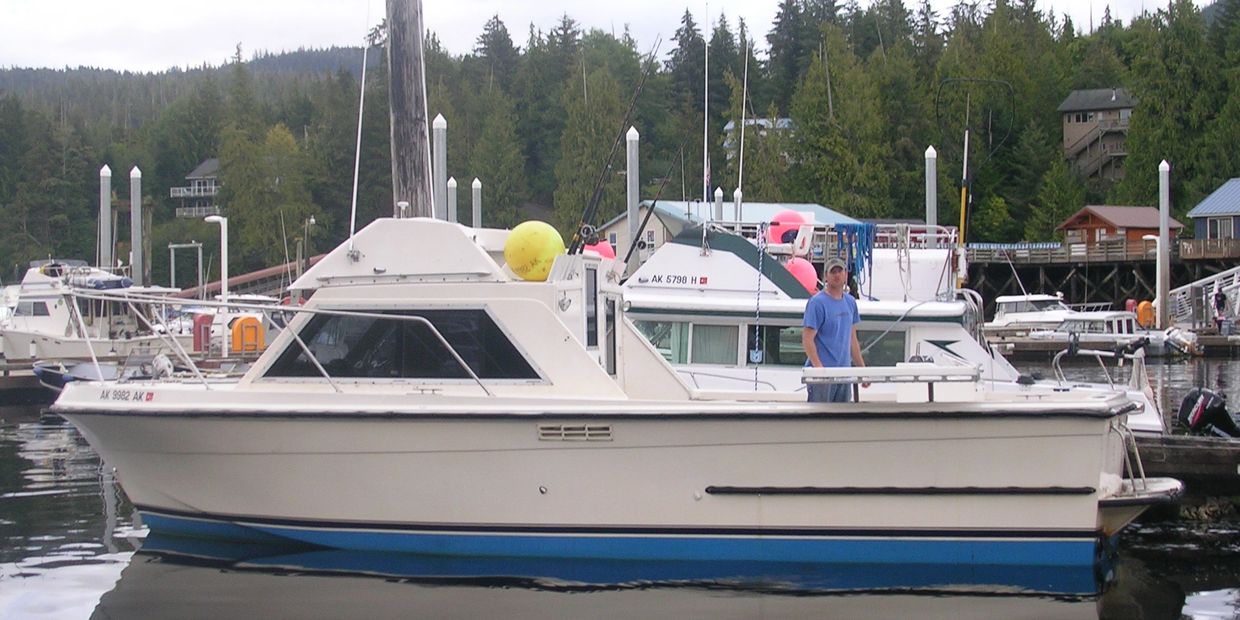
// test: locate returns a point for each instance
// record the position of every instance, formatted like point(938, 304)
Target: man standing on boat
point(830, 333)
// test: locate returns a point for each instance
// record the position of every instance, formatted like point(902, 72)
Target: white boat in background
point(1017, 315)
point(722, 326)
point(434, 402)
point(1114, 329)
point(8, 303)
point(56, 318)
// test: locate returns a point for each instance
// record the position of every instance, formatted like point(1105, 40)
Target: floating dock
point(19, 386)
point(1208, 466)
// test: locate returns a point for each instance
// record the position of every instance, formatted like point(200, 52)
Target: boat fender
point(161, 367)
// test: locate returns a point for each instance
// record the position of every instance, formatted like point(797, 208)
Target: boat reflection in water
point(185, 578)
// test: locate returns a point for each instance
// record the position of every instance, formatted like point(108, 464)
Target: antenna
point(740, 176)
point(361, 106)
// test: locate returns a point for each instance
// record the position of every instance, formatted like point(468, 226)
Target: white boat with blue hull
point(436, 403)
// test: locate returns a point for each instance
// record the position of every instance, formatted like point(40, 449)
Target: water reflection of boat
point(186, 578)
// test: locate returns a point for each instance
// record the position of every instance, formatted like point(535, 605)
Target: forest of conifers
point(533, 115)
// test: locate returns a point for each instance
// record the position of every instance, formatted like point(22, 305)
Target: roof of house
point(1097, 99)
point(1223, 201)
point(682, 212)
point(207, 169)
point(1120, 217)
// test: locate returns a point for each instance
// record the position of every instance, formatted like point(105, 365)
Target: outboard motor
point(1204, 412)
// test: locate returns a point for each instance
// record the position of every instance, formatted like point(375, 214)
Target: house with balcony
point(1095, 129)
point(197, 200)
point(1216, 222)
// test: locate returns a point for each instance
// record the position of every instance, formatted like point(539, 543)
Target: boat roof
point(1031, 297)
point(1101, 315)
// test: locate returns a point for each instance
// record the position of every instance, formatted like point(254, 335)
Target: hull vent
point(574, 432)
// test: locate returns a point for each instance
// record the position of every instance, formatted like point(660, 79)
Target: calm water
point(73, 548)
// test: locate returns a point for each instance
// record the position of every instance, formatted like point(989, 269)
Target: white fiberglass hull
point(616, 480)
point(39, 345)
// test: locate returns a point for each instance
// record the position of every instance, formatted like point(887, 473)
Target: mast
point(411, 146)
point(706, 112)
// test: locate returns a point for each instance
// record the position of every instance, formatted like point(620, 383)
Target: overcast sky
point(151, 35)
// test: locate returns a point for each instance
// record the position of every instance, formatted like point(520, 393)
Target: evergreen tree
point(588, 134)
point(1060, 195)
point(498, 161)
point(495, 47)
point(243, 110)
point(992, 220)
point(687, 64)
point(766, 162)
point(789, 53)
point(1175, 84)
point(840, 158)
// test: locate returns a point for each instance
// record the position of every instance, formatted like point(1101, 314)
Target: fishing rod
point(659, 194)
point(587, 215)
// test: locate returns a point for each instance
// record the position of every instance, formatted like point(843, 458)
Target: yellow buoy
point(531, 248)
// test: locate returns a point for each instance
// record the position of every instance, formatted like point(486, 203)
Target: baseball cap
point(834, 262)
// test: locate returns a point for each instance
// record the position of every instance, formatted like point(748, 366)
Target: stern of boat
point(1134, 497)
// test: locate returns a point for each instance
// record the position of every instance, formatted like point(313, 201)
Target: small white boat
point(1114, 329)
point(433, 402)
point(1017, 315)
point(59, 317)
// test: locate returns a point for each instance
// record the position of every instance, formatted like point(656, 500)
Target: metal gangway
point(1193, 304)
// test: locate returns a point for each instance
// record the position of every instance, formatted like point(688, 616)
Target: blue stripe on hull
point(751, 548)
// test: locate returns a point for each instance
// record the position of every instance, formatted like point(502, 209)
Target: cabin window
point(31, 308)
point(670, 338)
point(612, 239)
point(880, 347)
point(714, 344)
point(591, 307)
point(780, 346)
point(609, 315)
point(380, 348)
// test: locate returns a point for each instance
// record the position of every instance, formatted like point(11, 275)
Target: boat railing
point(694, 375)
point(270, 312)
point(904, 372)
point(1131, 351)
point(885, 235)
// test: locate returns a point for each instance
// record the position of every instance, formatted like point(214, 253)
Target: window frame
point(291, 345)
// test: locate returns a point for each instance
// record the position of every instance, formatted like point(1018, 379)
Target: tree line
point(866, 89)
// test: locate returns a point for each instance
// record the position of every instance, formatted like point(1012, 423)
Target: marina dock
point(19, 386)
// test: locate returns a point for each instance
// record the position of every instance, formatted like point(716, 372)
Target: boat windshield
point(372, 347)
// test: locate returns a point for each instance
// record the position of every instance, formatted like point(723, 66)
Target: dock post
point(737, 198)
point(137, 266)
point(1164, 244)
point(452, 199)
point(476, 195)
point(440, 168)
point(719, 202)
point(932, 200)
point(105, 217)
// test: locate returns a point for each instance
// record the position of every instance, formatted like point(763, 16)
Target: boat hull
point(835, 487)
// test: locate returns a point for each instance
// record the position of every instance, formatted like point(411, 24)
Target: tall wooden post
point(411, 149)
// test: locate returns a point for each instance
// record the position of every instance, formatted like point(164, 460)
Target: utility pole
point(411, 149)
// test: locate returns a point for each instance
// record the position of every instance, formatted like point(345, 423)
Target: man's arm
point(856, 349)
point(811, 351)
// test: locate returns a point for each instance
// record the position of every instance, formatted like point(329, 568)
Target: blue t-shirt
point(834, 320)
